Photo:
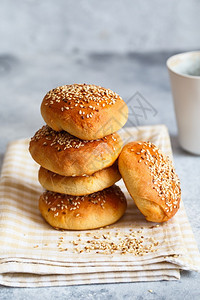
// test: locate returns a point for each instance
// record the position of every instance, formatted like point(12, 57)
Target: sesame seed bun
point(85, 111)
point(151, 180)
point(67, 155)
point(83, 212)
point(79, 185)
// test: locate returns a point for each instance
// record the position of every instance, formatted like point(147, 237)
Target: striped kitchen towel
point(33, 254)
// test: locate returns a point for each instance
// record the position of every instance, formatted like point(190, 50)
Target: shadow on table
point(1, 160)
point(176, 148)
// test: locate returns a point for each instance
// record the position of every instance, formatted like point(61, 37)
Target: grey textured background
point(122, 45)
point(119, 26)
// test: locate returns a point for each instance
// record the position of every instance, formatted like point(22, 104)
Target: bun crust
point(85, 111)
point(79, 185)
point(151, 180)
point(67, 155)
point(83, 212)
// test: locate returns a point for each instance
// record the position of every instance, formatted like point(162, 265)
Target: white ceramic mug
point(184, 71)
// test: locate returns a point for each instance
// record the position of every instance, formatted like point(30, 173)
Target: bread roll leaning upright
point(151, 180)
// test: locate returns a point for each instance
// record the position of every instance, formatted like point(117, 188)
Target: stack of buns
point(78, 151)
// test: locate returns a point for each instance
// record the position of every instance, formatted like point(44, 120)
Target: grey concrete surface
point(29, 26)
point(122, 45)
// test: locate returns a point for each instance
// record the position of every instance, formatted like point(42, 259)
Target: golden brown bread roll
point(85, 111)
point(83, 212)
point(151, 180)
point(67, 155)
point(79, 185)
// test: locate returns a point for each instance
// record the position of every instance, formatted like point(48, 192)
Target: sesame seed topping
point(87, 96)
point(72, 203)
point(60, 140)
point(164, 178)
